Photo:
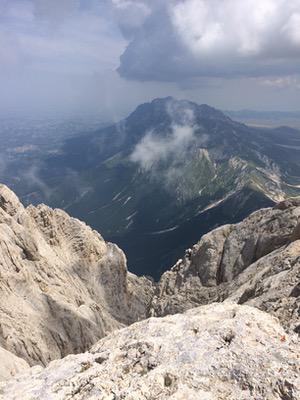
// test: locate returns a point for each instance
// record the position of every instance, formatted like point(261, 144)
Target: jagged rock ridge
point(62, 287)
point(255, 262)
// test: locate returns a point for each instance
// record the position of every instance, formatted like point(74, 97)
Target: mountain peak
point(212, 113)
point(171, 109)
point(205, 110)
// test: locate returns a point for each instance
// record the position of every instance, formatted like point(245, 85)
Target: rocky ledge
point(214, 352)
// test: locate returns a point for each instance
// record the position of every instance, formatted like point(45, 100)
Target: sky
point(105, 57)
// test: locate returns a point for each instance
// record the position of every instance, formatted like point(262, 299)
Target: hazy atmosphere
point(149, 199)
point(106, 56)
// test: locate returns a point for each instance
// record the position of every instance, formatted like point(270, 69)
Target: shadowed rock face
point(62, 287)
point(219, 351)
point(255, 262)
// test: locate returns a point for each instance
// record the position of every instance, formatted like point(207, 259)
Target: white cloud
point(153, 148)
point(292, 28)
point(156, 147)
point(237, 28)
point(215, 38)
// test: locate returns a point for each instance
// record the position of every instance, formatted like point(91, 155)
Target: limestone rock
point(10, 364)
point(214, 352)
point(62, 287)
point(254, 262)
point(296, 233)
point(272, 284)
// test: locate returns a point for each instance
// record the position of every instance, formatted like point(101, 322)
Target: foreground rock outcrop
point(255, 262)
point(62, 287)
point(214, 352)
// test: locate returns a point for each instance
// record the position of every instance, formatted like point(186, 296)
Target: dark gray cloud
point(184, 39)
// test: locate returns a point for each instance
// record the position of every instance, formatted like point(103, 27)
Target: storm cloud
point(213, 38)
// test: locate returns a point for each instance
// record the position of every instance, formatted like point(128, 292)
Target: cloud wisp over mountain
point(157, 147)
point(153, 148)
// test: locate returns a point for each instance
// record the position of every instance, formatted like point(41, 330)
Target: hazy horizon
point(104, 57)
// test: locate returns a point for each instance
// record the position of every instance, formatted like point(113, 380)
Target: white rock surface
point(62, 287)
point(10, 364)
point(214, 352)
point(255, 262)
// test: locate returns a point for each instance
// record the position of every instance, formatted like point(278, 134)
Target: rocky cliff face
point(254, 262)
point(219, 351)
point(62, 287)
